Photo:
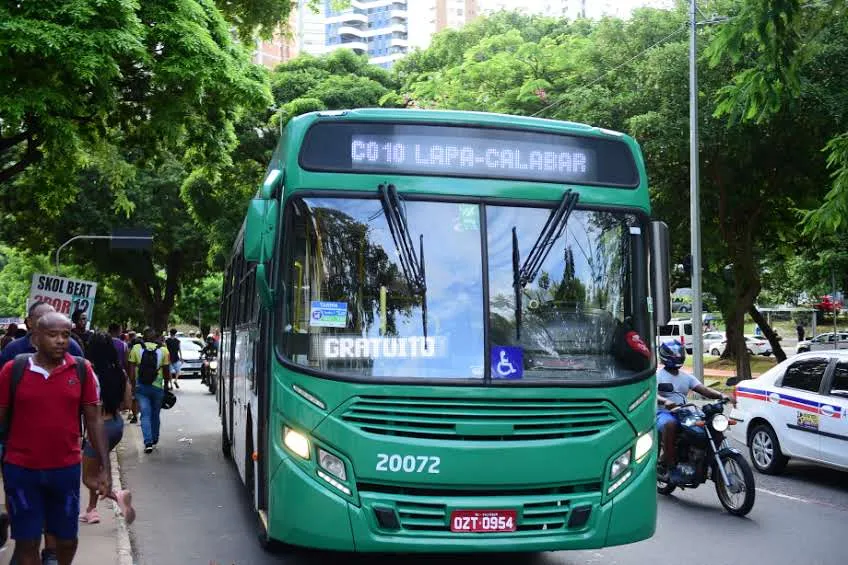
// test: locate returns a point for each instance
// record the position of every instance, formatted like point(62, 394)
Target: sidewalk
point(106, 543)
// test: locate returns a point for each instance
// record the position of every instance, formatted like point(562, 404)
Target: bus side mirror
point(659, 272)
point(260, 233)
point(260, 230)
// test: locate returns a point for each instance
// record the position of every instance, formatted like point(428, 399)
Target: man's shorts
point(114, 430)
point(175, 367)
point(42, 499)
point(664, 417)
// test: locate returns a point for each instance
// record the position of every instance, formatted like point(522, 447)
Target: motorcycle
point(704, 452)
point(209, 371)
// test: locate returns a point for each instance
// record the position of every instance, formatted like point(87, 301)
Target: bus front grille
point(480, 419)
point(550, 515)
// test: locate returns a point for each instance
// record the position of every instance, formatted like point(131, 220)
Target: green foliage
point(201, 298)
point(774, 46)
point(16, 270)
point(260, 17)
point(152, 96)
point(61, 63)
point(336, 81)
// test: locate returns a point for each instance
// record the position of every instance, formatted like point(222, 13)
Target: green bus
point(437, 335)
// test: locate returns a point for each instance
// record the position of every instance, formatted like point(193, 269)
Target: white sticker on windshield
point(327, 314)
point(339, 347)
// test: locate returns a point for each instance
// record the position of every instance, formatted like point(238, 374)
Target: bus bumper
point(307, 513)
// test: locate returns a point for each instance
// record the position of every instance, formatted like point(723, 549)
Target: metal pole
point(694, 200)
point(61, 247)
point(833, 308)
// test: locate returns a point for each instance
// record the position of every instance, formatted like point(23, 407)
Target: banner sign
point(64, 294)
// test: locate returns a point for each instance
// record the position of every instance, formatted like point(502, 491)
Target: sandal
point(124, 500)
point(90, 517)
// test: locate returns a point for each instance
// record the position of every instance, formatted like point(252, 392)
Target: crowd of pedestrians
point(64, 390)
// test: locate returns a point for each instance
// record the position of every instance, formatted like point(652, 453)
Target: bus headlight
point(720, 422)
point(331, 464)
point(621, 463)
point(296, 442)
point(643, 445)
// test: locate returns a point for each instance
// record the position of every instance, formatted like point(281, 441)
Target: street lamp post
point(694, 199)
point(109, 237)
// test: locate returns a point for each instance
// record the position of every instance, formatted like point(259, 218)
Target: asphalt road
point(192, 510)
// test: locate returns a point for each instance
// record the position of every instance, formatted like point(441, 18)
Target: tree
point(774, 41)
point(89, 83)
point(632, 76)
point(172, 111)
point(340, 80)
point(200, 302)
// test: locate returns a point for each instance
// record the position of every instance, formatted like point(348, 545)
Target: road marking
point(801, 499)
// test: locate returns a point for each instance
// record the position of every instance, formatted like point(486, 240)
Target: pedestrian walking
point(115, 393)
point(24, 344)
point(41, 396)
point(800, 329)
point(149, 369)
point(80, 331)
point(9, 336)
point(175, 354)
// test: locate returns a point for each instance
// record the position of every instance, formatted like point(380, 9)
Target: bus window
point(351, 308)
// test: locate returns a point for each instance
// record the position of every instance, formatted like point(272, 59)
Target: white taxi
point(797, 409)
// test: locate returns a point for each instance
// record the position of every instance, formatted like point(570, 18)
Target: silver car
point(823, 342)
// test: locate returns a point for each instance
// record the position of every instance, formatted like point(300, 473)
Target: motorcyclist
point(672, 354)
point(209, 352)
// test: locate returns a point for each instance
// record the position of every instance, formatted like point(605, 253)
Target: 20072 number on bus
point(395, 463)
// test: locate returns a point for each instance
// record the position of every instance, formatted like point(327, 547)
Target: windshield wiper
point(411, 264)
point(551, 232)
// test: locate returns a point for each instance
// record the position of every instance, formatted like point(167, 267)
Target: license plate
point(482, 521)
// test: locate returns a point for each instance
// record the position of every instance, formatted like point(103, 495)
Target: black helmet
point(168, 400)
point(672, 354)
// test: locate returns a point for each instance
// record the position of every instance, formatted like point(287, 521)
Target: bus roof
point(453, 117)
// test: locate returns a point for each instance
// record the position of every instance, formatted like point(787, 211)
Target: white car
point(797, 409)
point(755, 345)
point(823, 341)
point(714, 343)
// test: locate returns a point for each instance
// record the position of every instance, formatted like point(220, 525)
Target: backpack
point(149, 365)
point(18, 367)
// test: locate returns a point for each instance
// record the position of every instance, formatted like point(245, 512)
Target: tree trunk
point(158, 302)
point(770, 334)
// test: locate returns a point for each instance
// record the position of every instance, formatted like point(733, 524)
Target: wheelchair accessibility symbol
point(507, 362)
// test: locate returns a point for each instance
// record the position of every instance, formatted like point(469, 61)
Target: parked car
point(755, 346)
point(190, 349)
point(714, 343)
point(795, 410)
point(824, 341)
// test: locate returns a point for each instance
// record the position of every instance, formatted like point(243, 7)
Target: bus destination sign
point(468, 151)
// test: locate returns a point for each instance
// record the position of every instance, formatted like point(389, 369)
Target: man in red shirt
point(41, 462)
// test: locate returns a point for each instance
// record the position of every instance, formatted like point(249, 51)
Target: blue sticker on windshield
point(507, 362)
point(327, 314)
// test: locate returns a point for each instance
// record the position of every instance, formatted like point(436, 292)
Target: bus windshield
point(351, 309)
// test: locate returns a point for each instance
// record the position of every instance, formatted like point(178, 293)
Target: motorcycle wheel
point(664, 487)
point(740, 499)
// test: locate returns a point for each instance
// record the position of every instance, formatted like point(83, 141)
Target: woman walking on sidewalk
point(114, 395)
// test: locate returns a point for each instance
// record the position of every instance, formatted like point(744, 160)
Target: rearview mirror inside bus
point(659, 272)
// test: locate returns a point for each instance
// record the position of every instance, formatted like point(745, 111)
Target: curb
point(124, 546)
